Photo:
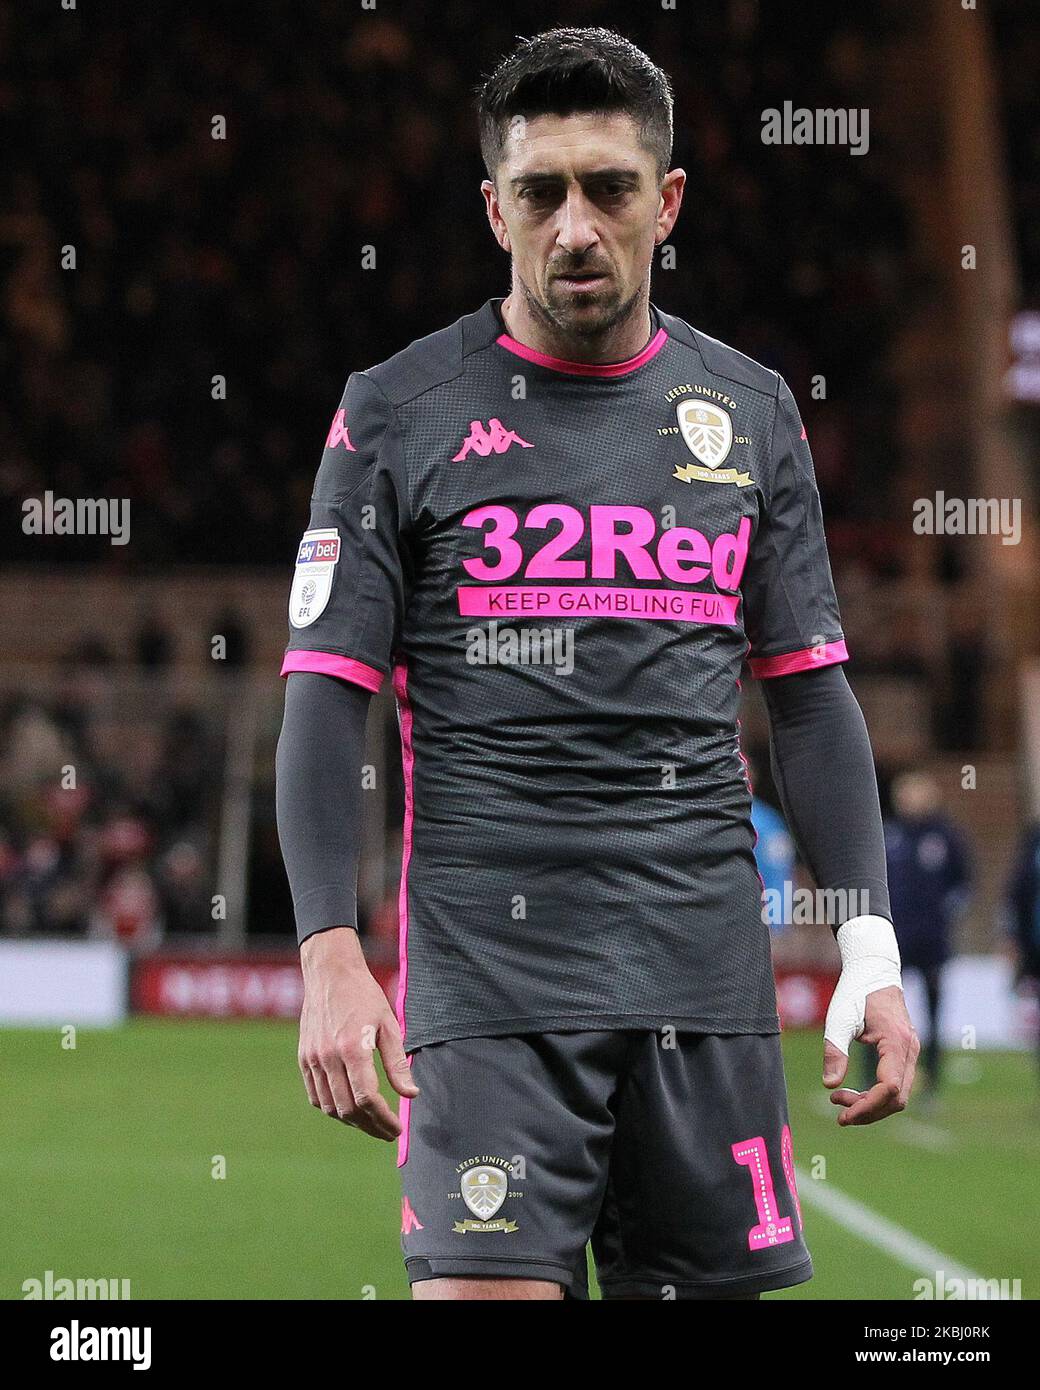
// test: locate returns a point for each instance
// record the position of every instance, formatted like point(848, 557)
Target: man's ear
point(672, 186)
point(494, 214)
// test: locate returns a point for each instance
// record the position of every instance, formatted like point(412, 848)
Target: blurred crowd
point(107, 810)
point(240, 258)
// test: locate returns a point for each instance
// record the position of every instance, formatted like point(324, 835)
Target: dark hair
point(563, 71)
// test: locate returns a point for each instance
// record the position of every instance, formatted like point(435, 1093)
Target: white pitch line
point(878, 1231)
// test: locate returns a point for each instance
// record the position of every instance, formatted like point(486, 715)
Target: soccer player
point(560, 525)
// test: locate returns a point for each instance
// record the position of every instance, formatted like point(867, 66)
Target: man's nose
point(577, 232)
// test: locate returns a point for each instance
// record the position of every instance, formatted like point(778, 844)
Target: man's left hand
point(888, 1027)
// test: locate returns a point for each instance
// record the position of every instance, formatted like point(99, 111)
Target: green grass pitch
point(108, 1154)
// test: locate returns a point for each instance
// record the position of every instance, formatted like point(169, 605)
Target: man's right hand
point(345, 1019)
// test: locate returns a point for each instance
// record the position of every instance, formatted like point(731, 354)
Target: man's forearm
point(318, 797)
point(824, 772)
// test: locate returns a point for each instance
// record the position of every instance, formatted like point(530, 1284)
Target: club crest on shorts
point(316, 562)
point(484, 1190)
point(484, 1187)
point(707, 431)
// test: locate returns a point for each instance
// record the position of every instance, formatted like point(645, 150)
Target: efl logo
point(314, 550)
point(316, 562)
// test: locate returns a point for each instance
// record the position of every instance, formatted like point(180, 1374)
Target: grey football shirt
point(563, 570)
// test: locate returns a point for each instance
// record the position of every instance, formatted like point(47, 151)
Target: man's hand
point(345, 1018)
point(888, 1026)
point(868, 1004)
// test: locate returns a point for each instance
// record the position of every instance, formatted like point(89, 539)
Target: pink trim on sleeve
point(828, 655)
point(329, 664)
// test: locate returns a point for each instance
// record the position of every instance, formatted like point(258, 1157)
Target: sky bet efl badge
point(708, 433)
point(315, 567)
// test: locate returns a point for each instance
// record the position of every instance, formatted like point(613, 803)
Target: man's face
point(577, 204)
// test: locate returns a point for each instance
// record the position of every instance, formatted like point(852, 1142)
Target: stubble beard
point(579, 325)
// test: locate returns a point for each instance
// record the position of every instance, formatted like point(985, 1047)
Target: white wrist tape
point(869, 961)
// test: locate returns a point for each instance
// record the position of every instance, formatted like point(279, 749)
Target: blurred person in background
point(929, 880)
point(1023, 901)
point(183, 889)
point(127, 907)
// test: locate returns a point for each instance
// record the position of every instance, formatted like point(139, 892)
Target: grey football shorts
point(670, 1152)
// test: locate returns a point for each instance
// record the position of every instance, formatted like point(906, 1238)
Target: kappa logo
point(409, 1221)
point(338, 432)
point(496, 439)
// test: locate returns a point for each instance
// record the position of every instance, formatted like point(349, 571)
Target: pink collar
point(601, 369)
